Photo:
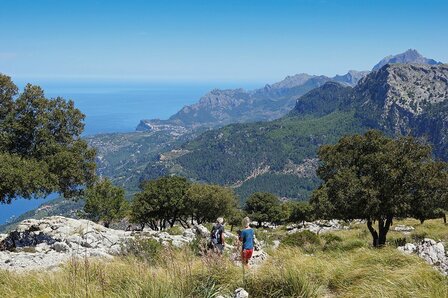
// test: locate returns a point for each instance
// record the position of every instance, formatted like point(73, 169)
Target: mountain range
point(280, 156)
point(221, 107)
point(160, 146)
point(274, 132)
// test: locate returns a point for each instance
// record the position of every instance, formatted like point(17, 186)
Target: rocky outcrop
point(431, 251)
point(318, 226)
point(404, 229)
point(48, 242)
point(51, 241)
point(407, 99)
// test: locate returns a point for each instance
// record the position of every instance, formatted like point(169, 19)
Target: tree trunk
point(422, 221)
point(373, 232)
point(444, 218)
point(379, 238)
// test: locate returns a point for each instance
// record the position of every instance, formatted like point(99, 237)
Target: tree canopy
point(377, 178)
point(105, 202)
point(264, 207)
point(41, 150)
point(160, 202)
point(207, 202)
point(300, 212)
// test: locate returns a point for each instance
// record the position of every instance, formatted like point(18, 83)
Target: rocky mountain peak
point(293, 81)
point(410, 56)
point(411, 87)
point(351, 78)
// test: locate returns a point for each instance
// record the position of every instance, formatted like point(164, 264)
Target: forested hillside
point(275, 156)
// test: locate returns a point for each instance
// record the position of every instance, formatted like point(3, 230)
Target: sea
point(117, 106)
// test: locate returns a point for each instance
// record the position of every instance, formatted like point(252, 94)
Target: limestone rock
point(48, 242)
point(202, 231)
point(318, 226)
point(408, 248)
point(431, 251)
point(241, 293)
point(403, 228)
point(60, 247)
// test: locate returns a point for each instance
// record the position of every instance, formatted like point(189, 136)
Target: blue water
point(113, 106)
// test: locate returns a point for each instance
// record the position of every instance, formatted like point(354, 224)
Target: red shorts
point(246, 254)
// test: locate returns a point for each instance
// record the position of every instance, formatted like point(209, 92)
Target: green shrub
point(418, 236)
point(175, 230)
point(396, 242)
point(148, 250)
point(330, 238)
point(306, 240)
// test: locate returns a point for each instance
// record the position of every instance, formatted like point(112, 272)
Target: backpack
point(216, 234)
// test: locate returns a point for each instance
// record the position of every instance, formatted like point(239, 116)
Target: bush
point(175, 230)
point(331, 241)
point(306, 240)
point(348, 245)
point(148, 250)
point(418, 236)
point(330, 238)
point(396, 242)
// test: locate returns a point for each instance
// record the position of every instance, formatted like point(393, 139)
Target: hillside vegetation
point(340, 264)
point(398, 99)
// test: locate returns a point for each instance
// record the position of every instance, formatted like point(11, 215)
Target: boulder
point(318, 226)
point(408, 248)
point(60, 247)
point(431, 251)
point(241, 293)
point(404, 228)
point(202, 231)
point(48, 242)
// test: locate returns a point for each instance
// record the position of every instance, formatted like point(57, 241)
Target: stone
point(189, 233)
point(318, 226)
point(202, 231)
point(258, 257)
point(275, 244)
point(241, 293)
point(408, 248)
point(60, 247)
point(51, 241)
point(403, 228)
point(431, 251)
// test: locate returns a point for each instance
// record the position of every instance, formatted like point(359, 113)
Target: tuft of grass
point(306, 240)
point(175, 230)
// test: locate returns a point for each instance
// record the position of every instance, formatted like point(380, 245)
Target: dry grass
point(343, 270)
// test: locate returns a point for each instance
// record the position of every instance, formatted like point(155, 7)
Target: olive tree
point(161, 202)
point(41, 150)
point(204, 203)
point(377, 178)
point(300, 212)
point(264, 207)
point(105, 202)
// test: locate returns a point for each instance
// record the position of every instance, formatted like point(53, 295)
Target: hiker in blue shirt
point(247, 238)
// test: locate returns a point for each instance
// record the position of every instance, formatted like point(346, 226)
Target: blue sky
point(231, 40)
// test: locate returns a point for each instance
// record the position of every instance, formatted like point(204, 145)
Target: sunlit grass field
point(340, 265)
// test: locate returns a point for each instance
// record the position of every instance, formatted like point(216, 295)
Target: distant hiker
point(217, 236)
point(247, 239)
